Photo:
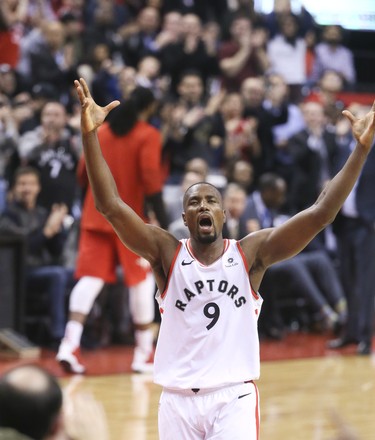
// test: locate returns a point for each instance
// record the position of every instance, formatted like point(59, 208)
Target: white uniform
point(208, 346)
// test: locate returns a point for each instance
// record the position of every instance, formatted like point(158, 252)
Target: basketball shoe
point(143, 362)
point(69, 358)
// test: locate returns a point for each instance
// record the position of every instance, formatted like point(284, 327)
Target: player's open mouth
point(205, 223)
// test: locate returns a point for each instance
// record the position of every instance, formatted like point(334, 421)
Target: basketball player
point(207, 355)
point(133, 152)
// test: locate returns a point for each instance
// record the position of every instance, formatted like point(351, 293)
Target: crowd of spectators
point(245, 93)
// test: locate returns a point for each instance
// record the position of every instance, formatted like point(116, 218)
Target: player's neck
point(207, 253)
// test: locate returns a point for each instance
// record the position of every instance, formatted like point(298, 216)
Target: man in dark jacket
point(45, 237)
point(355, 230)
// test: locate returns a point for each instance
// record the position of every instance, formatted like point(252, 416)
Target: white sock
point(144, 339)
point(73, 333)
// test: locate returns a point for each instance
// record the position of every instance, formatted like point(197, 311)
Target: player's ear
point(224, 216)
point(184, 218)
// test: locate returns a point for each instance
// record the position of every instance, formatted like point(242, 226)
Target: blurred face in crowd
point(8, 80)
point(22, 107)
point(234, 200)
point(149, 67)
point(243, 173)
point(331, 81)
point(172, 23)
point(274, 197)
point(101, 53)
point(199, 166)
point(313, 114)
point(190, 89)
point(253, 91)
point(277, 89)
point(26, 189)
point(289, 26)
point(232, 106)
point(148, 20)
point(332, 35)
point(191, 25)
point(239, 27)
point(282, 6)
point(127, 80)
point(190, 178)
point(104, 14)
point(53, 117)
point(54, 34)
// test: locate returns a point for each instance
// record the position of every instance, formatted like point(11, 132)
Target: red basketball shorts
point(99, 254)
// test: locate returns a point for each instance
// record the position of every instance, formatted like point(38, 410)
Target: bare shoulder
point(166, 242)
point(251, 245)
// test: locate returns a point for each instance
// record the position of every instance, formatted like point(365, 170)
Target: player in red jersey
point(132, 148)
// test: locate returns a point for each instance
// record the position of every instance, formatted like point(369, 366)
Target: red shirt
point(250, 69)
point(135, 163)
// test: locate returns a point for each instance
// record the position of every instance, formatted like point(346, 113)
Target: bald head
point(29, 378)
point(30, 401)
point(196, 187)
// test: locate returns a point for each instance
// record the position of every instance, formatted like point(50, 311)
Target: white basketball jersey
point(208, 335)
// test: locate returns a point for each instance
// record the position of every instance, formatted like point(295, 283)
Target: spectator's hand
point(191, 43)
point(193, 116)
point(127, 30)
point(245, 41)
point(93, 115)
point(55, 220)
point(164, 38)
point(215, 102)
point(50, 134)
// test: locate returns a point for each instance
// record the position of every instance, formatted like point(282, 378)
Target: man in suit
point(234, 200)
point(355, 231)
point(310, 273)
point(313, 152)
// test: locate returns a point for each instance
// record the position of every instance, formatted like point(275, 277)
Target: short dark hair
point(186, 195)
point(24, 170)
point(123, 118)
point(30, 401)
point(268, 181)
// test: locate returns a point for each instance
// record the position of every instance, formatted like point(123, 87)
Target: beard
point(208, 239)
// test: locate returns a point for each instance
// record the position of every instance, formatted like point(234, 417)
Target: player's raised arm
point(291, 237)
point(135, 234)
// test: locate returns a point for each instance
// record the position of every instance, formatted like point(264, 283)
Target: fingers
point(111, 106)
point(79, 90)
point(349, 116)
point(85, 88)
point(82, 89)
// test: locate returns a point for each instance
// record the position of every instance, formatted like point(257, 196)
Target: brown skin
point(261, 248)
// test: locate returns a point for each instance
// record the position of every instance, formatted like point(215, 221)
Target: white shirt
point(208, 335)
point(288, 60)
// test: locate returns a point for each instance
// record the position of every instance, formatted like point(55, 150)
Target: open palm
point(93, 115)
